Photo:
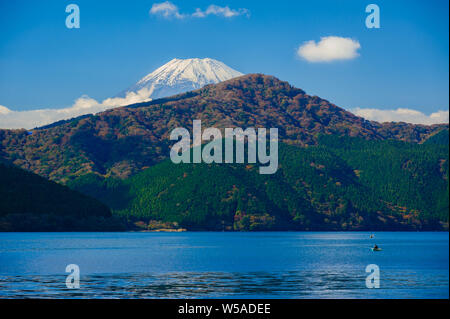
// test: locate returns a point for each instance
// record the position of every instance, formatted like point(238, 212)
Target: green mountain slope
point(29, 202)
point(440, 138)
point(340, 184)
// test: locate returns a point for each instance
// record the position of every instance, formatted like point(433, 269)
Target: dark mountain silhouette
point(32, 203)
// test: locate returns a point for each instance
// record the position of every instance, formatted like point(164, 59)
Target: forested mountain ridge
point(123, 141)
point(342, 183)
point(29, 202)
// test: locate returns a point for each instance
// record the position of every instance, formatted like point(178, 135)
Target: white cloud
point(84, 105)
point(329, 49)
point(169, 10)
point(4, 110)
point(403, 115)
point(225, 12)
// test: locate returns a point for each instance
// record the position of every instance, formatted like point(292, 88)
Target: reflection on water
point(224, 265)
point(305, 284)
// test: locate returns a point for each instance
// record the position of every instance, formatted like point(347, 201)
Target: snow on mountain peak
point(182, 75)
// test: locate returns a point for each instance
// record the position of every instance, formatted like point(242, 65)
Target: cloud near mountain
point(402, 115)
point(4, 110)
point(84, 105)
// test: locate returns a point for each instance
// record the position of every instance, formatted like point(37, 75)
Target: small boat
point(376, 249)
point(372, 236)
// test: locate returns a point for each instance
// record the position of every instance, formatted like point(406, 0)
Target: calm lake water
point(224, 265)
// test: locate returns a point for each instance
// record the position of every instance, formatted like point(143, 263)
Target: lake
point(224, 265)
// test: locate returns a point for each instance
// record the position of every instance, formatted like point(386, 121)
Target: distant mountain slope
point(123, 141)
point(32, 203)
point(183, 75)
point(440, 138)
point(342, 184)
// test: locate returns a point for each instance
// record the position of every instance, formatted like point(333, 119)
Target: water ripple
point(294, 284)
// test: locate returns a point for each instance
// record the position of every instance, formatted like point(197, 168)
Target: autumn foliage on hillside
point(123, 141)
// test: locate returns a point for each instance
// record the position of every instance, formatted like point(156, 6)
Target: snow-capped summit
point(182, 75)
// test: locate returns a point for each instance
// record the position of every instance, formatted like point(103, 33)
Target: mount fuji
point(181, 75)
point(174, 77)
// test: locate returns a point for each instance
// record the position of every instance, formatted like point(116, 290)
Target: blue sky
point(404, 64)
